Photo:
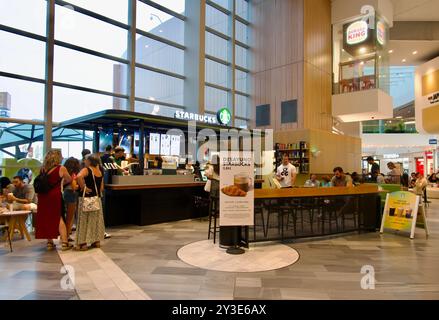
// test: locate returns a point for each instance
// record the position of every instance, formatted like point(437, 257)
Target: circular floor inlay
point(260, 257)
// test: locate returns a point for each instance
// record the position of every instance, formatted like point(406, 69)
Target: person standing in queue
point(70, 194)
point(286, 173)
point(84, 154)
point(49, 222)
point(90, 229)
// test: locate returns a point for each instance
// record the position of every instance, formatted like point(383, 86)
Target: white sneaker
point(107, 236)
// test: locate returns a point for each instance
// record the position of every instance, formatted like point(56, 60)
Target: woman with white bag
point(90, 228)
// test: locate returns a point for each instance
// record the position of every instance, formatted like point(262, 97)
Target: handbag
point(91, 204)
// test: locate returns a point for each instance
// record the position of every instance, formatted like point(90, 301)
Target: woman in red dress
point(49, 218)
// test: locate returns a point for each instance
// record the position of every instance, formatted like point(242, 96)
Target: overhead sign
point(357, 32)
point(400, 213)
point(391, 156)
point(224, 116)
point(195, 117)
point(236, 189)
point(433, 142)
point(381, 33)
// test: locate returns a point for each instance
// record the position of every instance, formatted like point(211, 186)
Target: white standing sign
point(236, 189)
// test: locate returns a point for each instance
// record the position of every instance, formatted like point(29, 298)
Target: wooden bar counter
point(288, 214)
point(315, 192)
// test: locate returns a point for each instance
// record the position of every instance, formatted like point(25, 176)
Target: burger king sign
point(357, 32)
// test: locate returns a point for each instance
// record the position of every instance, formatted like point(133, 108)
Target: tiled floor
point(31, 272)
point(327, 269)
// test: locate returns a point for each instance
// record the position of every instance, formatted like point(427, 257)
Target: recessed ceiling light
point(362, 50)
point(390, 51)
point(404, 60)
point(160, 30)
point(415, 53)
point(147, 46)
point(379, 57)
point(362, 62)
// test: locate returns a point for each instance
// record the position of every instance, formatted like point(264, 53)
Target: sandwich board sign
point(401, 214)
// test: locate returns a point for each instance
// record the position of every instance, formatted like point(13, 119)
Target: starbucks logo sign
point(224, 116)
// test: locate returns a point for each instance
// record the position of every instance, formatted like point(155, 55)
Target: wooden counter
point(314, 192)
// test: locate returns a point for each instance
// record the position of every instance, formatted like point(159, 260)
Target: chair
point(213, 215)
point(5, 228)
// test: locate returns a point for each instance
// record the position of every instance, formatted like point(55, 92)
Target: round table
point(17, 220)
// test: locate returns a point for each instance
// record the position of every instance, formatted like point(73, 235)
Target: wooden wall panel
point(317, 64)
point(277, 33)
point(277, 85)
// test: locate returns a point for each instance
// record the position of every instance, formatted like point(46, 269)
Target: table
point(17, 220)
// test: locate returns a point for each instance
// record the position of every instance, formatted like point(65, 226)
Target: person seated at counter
point(312, 182)
point(394, 175)
point(23, 195)
point(286, 173)
point(356, 179)
point(340, 179)
point(326, 182)
point(380, 178)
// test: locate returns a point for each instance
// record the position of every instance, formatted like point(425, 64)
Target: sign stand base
point(235, 250)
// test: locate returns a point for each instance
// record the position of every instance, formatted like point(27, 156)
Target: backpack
point(41, 183)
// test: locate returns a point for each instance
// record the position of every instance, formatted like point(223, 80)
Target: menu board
point(400, 213)
point(175, 145)
point(154, 143)
point(165, 145)
point(236, 189)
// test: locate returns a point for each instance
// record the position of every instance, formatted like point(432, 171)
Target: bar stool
point(5, 228)
point(201, 204)
point(350, 212)
point(290, 209)
point(329, 214)
point(274, 209)
point(259, 210)
point(213, 214)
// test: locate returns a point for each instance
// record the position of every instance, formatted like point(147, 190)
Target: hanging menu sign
point(236, 188)
point(154, 143)
point(165, 145)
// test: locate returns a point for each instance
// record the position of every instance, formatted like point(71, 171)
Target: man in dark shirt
point(374, 170)
point(107, 157)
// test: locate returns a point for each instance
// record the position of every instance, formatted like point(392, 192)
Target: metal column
point(48, 90)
